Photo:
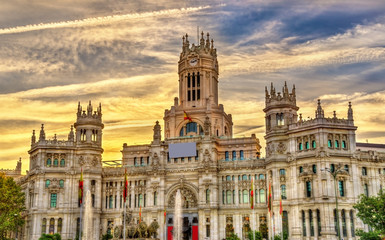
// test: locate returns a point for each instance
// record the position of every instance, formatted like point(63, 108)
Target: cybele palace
point(307, 163)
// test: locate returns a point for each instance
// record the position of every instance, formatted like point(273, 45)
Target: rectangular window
point(198, 94)
point(188, 82)
point(234, 155)
point(53, 200)
point(188, 95)
point(311, 223)
point(193, 80)
point(241, 154)
point(303, 224)
point(308, 189)
point(207, 230)
point(329, 143)
point(341, 188)
point(364, 171)
point(193, 95)
point(282, 172)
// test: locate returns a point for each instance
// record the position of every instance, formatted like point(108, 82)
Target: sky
point(124, 54)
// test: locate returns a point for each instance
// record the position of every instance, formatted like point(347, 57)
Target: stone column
point(315, 223)
point(340, 219)
point(348, 226)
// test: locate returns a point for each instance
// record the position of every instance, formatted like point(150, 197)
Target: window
point(366, 190)
point(261, 176)
point(52, 226)
point(207, 230)
point(49, 162)
point(329, 143)
point(234, 155)
point(241, 154)
point(262, 198)
point(244, 177)
point(352, 229)
point(282, 172)
point(155, 198)
point(140, 200)
point(314, 168)
point(300, 169)
point(300, 147)
point(364, 171)
point(47, 183)
point(197, 156)
point(62, 163)
point(319, 222)
point(336, 144)
point(61, 183)
point(343, 144)
point(313, 144)
point(335, 221)
point(227, 156)
point(283, 191)
point(111, 202)
point(44, 226)
point(228, 197)
point(332, 168)
point(343, 217)
point(207, 195)
point(228, 178)
point(245, 196)
point(135, 162)
point(303, 224)
point(308, 189)
point(53, 200)
point(223, 197)
point(311, 223)
point(280, 119)
point(341, 188)
point(285, 222)
point(307, 145)
point(346, 168)
point(233, 196)
point(55, 162)
point(82, 135)
point(93, 200)
point(148, 160)
point(141, 161)
point(59, 225)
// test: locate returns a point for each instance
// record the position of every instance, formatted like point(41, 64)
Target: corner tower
point(197, 105)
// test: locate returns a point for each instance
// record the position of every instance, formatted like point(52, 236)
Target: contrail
point(100, 20)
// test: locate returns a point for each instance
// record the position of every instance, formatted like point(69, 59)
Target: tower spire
point(350, 113)
point(33, 138)
point(320, 112)
point(42, 133)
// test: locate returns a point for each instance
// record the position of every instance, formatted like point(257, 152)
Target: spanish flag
point(140, 214)
point(81, 187)
point(252, 194)
point(165, 215)
point(269, 200)
point(187, 117)
point(125, 185)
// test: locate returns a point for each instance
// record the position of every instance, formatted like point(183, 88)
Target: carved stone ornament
point(155, 162)
point(189, 200)
point(81, 161)
point(281, 148)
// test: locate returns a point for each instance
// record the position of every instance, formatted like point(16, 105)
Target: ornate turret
point(275, 99)
point(157, 133)
point(33, 138)
point(71, 135)
point(42, 133)
point(319, 113)
point(350, 114)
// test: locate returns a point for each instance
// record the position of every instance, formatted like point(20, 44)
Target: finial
point(334, 115)
point(186, 37)
point(42, 133)
point(350, 113)
point(212, 44)
point(300, 117)
point(33, 138)
point(319, 113)
point(183, 39)
point(54, 137)
point(266, 92)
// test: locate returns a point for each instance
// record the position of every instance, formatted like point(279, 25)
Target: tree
point(55, 236)
point(12, 204)
point(368, 235)
point(371, 211)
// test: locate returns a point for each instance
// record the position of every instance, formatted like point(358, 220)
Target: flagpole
point(124, 221)
point(80, 227)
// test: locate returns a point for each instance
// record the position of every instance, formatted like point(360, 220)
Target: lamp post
point(334, 173)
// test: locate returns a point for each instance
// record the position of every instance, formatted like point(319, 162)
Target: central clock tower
point(198, 93)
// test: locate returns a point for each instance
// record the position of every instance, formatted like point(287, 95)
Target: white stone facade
point(216, 182)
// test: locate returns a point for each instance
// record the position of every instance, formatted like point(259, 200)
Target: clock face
point(193, 62)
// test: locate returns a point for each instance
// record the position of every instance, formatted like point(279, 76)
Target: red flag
point(280, 205)
point(140, 214)
point(252, 194)
point(81, 187)
point(125, 185)
point(187, 117)
point(269, 200)
point(165, 215)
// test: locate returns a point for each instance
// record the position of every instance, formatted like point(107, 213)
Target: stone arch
point(189, 195)
point(184, 122)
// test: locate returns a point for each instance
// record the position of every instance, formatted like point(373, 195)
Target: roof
point(370, 145)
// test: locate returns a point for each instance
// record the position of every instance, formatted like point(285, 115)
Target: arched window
point(111, 202)
point(336, 144)
point(148, 160)
point(311, 223)
point(228, 197)
point(344, 144)
point(366, 190)
point(329, 143)
point(261, 176)
point(332, 168)
point(282, 172)
point(303, 224)
point(245, 196)
point(234, 155)
point(300, 147)
point(49, 162)
point(47, 183)
point(140, 201)
point(228, 178)
point(364, 171)
point(93, 200)
point(227, 158)
point(44, 226)
point(59, 225)
point(55, 162)
point(314, 168)
point(283, 191)
point(341, 188)
point(141, 161)
point(241, 154)
point(244, 177)
point(61, 183)
point(285, 222)
point(307, 145)
point(313, 144)
point(83, 135)
point(155, 198)
point(319, 222)
point(300, 169)
point(352, 228)
point(262, 198)
point(343, 217)
point(308, 189)
point(335, 221)
point(207, 195)
point(135, 162)
point(52, 226)
point(280, 119)
point(62, 162)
